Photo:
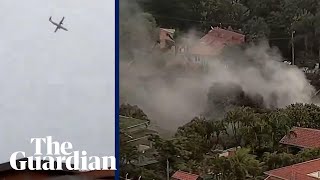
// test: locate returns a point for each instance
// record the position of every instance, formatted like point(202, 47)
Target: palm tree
point(240, 166)
point(279, 125)
point(215, 129)
point(246, 164)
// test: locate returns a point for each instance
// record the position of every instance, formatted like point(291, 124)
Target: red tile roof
point(165, 36)
point(298, 171)
point(270, 178)
point(302, 137)
point(98, 174)
point(217, 38)
point(180, 175)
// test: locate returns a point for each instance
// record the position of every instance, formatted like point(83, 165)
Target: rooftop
point(137, 135)
point(302, 137)
point(6, 169)
point(171, 31)
point(215, 40)
point(181, 175)
point(128, 122)
point(301, 171)
point(99, 174)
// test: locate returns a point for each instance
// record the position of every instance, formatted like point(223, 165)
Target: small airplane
point(59, 26)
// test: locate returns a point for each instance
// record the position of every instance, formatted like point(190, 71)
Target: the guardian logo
point(58, 154)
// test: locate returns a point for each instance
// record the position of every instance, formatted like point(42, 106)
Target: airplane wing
point(56, 29)
point(53, 22)
point(64, 28)
point(61, 22)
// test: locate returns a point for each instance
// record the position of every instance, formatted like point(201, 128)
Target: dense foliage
point(223, 97)
point(132, 111)
point(197, 144)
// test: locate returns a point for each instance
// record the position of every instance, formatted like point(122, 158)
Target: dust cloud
point(153, 80)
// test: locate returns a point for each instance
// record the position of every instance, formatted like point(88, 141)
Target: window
point(197, 59)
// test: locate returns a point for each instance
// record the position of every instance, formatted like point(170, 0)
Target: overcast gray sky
point(58, 84)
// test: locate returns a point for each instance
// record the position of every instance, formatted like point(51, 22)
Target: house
point(214, 41)
point(181, 175)
point(308, 170)
point(8, 173)
point(166, 40)
point(90, 175)
point(197, 55)
point(129, 124)
point(229, 152)
point(136, 132)
point(302, 138)
point(98, 174)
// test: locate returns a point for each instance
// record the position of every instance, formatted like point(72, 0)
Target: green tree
point(236, 119)
point(279, 125)
point(132, 111)
point(240, 166)
point(276, 160)
point(304, 115)
point(256, 29)
point(307, 154)
point(137, 30)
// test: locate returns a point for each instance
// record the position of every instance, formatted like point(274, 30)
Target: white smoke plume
point(171, 98)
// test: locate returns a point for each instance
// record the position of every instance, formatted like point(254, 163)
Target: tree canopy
point(196, 145)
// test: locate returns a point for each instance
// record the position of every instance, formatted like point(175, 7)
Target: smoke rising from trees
point(253, 75)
